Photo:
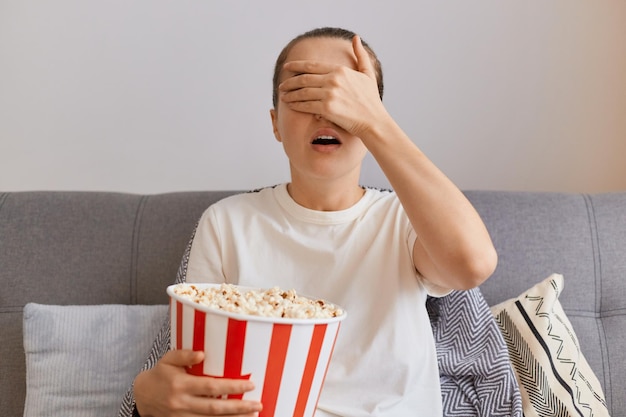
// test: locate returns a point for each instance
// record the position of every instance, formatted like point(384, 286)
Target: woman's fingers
point(216, 387)
point(306, 92)
point(303, 95)
point(205, 396)
point(308, 67)
point(182, 357)
point(363, 59)
point(301, 81)
point(216, 406)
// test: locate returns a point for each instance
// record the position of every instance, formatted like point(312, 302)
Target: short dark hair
point(324, 32)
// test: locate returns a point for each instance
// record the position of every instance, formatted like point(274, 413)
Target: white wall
point(157, 95)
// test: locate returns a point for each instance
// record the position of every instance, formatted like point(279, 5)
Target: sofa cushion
point(63, 342)
point(553, 374)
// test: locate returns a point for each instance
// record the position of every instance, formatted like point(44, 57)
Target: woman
point(376, 253)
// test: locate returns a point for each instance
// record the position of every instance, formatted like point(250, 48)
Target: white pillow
point(552, 372)
point(80, 360)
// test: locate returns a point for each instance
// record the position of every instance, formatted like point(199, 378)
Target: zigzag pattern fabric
point(530, 372)
point(476, 375)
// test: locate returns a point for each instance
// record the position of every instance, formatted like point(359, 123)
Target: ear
point(274, 116)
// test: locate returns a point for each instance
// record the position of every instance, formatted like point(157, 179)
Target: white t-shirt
point(384, 362)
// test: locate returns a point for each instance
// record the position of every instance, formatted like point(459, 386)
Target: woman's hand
point(346, 97)
point(168, 390)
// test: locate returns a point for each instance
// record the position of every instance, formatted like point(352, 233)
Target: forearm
point(455, 249)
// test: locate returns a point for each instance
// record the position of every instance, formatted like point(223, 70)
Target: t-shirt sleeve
point(205, 259)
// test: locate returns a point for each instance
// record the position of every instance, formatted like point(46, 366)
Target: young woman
point(376, 253)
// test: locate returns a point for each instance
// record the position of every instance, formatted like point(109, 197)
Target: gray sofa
point(91, 248)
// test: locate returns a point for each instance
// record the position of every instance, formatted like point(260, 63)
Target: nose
point(318, 117)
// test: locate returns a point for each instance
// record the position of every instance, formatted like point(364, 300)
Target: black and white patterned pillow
point(553, 374)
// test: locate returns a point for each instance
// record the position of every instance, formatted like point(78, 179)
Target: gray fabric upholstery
point(85, 248)
point(110, 248)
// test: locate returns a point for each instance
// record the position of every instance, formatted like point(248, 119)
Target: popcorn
point(281, 341)
point(272, 302)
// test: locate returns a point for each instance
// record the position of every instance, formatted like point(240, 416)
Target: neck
point(325, 197)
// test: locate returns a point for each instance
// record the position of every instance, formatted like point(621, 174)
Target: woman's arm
point(454, 249)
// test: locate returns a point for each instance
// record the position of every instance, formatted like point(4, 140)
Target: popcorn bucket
point(286, 358)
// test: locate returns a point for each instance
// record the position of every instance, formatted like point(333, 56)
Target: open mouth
point(326, 140)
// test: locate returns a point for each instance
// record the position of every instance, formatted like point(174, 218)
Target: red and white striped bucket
point(286, 359)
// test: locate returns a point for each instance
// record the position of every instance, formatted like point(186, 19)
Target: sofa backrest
point(80, 248)
point(110, 248)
